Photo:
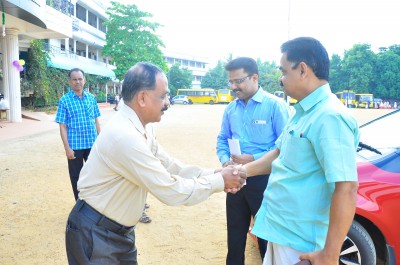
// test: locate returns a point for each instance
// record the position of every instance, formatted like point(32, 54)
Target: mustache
point(165, 108)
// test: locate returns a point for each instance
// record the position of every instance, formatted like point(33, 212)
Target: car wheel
point(358, 247)
point(211, 102)
point(185, 103)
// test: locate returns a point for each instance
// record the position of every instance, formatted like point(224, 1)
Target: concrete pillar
point(11, 78)
point(67, 46)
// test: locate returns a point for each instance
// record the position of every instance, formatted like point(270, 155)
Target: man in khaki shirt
point(125, 163)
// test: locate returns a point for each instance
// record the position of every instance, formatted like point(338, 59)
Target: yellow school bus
point(199, 95)
point(347, 97)
point(283, 96)
point(225, 95)
point(365, 100)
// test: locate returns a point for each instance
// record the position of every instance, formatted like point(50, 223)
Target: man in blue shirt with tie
point(255, 119)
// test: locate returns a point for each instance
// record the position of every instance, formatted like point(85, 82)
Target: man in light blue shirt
point(255, 119)
point(309, 203)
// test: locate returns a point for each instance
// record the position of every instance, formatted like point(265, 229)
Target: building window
point(170, 60)
point(101, 26)
point(80, 12)
point(192, 64)
point(92, 19)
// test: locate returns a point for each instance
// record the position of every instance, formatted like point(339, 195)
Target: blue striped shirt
point(256, 125)
point(79, 115)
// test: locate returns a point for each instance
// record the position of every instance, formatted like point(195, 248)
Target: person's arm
point(98, 128)
point(222, 141)
point(341, 216)
point(64, 137)
point(261, 166)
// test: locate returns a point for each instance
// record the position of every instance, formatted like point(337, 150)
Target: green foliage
point(179, 78)
point(366, 72)
point(101, 96)
point(131, 38)
point(38, 75)
point(216, 77)
point(268, 76)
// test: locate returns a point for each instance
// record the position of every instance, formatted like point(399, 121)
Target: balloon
point(21, 62)
point(18, 66)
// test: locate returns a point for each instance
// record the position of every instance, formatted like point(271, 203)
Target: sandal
point(146, 206)
point(145, 219)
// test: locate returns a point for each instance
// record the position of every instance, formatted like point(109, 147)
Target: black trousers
point(93, 239)
point(240, 207)
point(75, 166)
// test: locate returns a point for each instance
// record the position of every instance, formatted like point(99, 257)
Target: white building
point(74, 33)
point(198, 65)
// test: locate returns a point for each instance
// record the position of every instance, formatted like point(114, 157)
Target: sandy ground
point(36, 197)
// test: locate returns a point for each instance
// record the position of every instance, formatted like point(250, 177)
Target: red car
point(374, 237)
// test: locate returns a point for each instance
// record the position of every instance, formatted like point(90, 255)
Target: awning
point(66, 64)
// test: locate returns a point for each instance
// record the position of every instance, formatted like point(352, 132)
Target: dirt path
point(35, 197)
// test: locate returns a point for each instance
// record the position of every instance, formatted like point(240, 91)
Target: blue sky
point(215, 28)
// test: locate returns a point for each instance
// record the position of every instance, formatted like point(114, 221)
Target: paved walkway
point(35, 122)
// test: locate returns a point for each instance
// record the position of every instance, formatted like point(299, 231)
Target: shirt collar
point(133, 117)
point(73, 94)
point(258, 96)
point(314, 98)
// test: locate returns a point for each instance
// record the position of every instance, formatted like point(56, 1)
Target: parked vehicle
point(199, 95)
point(283, 96)
point(365, 101)
point(225, 95)
point(347, 97)
point(375, 233)
point(180, 99)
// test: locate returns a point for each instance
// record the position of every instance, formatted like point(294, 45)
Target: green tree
point(216, 77)
point(337, 79)
point(179, 78)
point(388, 75)
point(358, 66)
point(38, 74)
point(268, 76)
point(131, 38)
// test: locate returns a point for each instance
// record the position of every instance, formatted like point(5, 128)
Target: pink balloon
point(18, 66)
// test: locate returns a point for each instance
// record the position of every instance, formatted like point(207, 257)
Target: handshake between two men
point(234, 177)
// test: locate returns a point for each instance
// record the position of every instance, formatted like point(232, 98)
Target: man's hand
point(242, 159)
point(70, 153)
point(228, 163)
point(233, 179)
point(320, 258)
point(240, 171)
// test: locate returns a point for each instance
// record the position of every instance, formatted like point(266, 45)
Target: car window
point(381, 134)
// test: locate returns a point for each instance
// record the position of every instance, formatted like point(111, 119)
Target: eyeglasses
point(237, 81)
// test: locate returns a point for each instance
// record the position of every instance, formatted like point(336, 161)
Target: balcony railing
point(64, 6)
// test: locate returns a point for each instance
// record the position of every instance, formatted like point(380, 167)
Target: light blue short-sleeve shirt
point(317, 149)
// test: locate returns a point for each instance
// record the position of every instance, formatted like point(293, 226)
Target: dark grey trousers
point(91, 238)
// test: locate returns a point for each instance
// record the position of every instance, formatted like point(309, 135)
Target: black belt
point(102, 220)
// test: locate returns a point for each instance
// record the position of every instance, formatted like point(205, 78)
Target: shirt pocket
point(296, 153)
point(260, 130)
